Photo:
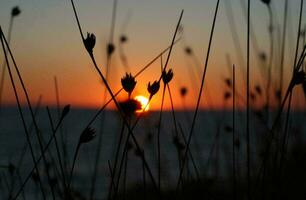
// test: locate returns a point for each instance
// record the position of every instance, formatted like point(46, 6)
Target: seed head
point(228, 82)
point(258, 89)
point(87, 135)
point(110, 48)
point(128, 83)
point(298, 78)
point(15, 11)
point(90, 42)
point(188, 51)
point(252, 96)
point(123, 39)
point(130, 106)
point(267, 2)
point(263, 56)
point(183, 91)
point(167, 76)
point(227, 95)
point(153, 89)
point(65, 111)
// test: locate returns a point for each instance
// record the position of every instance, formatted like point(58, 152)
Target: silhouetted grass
point(268, 164)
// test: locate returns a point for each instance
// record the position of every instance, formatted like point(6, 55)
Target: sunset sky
point(46, 43)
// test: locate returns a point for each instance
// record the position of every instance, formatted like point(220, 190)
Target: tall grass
point(216, 165)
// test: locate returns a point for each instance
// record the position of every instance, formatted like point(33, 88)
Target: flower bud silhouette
point(110, 49)
point(266, 2)
point(90, 42)
point(228, 82)
point(87, 135)
point(183, 91)
point(128, 83)
point(123, 39)
point(298, 78)
point(65, 111)
point(153, 89)
point(227, 95)
point(263, 56)
point(130, 106)
point(188, 51)
point(258, 89)
point(15, 11)
point(167, 77)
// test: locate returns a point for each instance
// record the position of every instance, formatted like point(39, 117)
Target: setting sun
point(143, 101)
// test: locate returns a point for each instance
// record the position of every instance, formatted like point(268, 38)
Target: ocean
point(211, 146)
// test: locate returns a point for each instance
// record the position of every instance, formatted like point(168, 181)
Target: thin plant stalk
point(63, 136)
point(116, 160)
point(199, 97)
point(235, 36)
point(248, 106)
point(136, 75)
point(9, 35)
point(271, 30)
point(73, 164)
point(176, 130)
point(278, 115)
point(108, 66)
point(21, 116)
point(144, 180)
point(252, 33)
point(290, 95)
point(31, 112)
point(125, 149)
point(112, 94)
point(39, 159)
point(158, 138)
point(190, 154)
point(234, 136)
point(283, 48)
point(125, 172)
point(57, 148)
point(25, 146)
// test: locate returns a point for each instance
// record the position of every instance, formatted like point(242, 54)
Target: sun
point(144, 103)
